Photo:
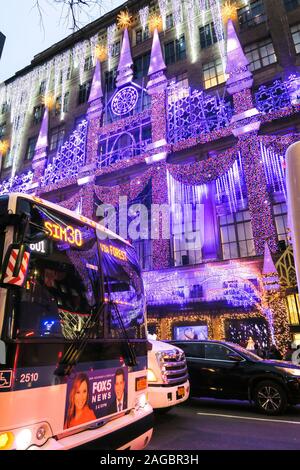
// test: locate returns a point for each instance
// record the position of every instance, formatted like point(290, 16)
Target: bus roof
point(65, 211)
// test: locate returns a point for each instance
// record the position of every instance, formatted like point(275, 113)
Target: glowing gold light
point(229, 12)
point(124, 20)
point(48, 101)
point(155, 22)
point(101, 52)
point(4, 146)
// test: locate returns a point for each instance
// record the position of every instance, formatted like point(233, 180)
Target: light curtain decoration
point(144, 14)
point(230, 185)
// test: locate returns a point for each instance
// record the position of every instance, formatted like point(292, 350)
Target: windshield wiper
point(73, 353)
point(131, 352)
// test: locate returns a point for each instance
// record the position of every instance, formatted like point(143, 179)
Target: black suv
point(225, 370)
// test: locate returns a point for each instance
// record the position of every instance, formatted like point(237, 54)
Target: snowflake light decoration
point(124, 100)
point(124, 20)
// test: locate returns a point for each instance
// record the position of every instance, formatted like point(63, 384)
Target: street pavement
point(207, 424)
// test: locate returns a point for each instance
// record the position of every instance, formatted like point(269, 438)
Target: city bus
point(73, 347)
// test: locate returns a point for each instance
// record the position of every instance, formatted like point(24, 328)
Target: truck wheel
point(270, 398)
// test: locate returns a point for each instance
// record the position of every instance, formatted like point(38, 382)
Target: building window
point(291, 4)
point(281, 221)
point(56, 138)
point(2, 130)
point(293, 309)
point(141, 65)
point(68, 75)
point(88, 63)
point(141, 35)
point(57, 109)
point(4, 108)
point(260, 54)
point(252, 14)
point(110, 80)
point(175, 51)
point(236, 235)
point(30, 148)
point(116, 49)
point(213, 74)
point(295, 30)
point(38, 112)
point(42, 88)
point(84, 91)
point(169, 21)
point(207, 35)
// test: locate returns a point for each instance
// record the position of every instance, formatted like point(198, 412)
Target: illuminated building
point(188, 110)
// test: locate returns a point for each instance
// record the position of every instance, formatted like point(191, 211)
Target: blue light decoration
point(278, 95)
point(124, 100)
point(19, 184)
point(230, 187)
point(274, 169)
point(238, 294)
point(195, 114)
point(69, 159)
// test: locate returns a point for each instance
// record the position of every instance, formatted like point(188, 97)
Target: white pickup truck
point(168, 382)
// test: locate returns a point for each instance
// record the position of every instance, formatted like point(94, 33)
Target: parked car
point(225, 370)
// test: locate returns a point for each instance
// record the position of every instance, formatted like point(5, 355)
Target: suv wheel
point(270, 398)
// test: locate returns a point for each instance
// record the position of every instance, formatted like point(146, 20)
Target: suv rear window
point(217, 351)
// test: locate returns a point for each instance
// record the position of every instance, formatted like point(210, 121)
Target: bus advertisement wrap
point(94, 394)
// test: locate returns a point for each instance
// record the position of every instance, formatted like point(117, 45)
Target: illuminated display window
point(291, 4)
point(293, 309)
point(213, 74)
point(295, 30)
point(260, 54)
point(252, 14)
point(236, 235)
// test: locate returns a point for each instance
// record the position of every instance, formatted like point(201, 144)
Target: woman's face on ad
point(81, 395)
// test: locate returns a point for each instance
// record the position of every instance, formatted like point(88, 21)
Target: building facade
point(166, 106)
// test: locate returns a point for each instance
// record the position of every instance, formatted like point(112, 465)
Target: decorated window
point(116, 47)
point(295, 30)
point(2, 130)
point(169, 21)
point(42, 88)
point(88, 63)
point(252, 14)
point(293, 309)
point(207, 35)
point(236, 235)
point(260, 54)
point(110, 80)
point(213, 74)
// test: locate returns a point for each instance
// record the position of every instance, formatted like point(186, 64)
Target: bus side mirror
point(15, 265)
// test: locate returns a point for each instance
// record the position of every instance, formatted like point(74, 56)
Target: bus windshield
point(64, 285)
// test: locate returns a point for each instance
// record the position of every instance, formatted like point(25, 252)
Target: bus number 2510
point(29, 377)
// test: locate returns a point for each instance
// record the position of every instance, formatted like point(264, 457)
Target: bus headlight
point(6, 440)
point(23, 439)
point(151, 376)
